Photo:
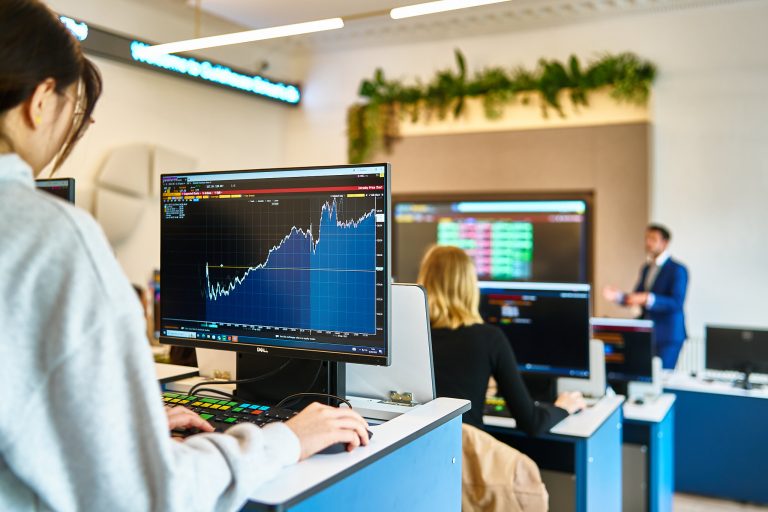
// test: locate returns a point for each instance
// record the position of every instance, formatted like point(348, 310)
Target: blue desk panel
point(721, 446)
point(595, 461)
point(423, 475)
point(659, 440)
point(598, 468)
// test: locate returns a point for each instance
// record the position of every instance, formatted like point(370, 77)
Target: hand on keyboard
point(181, 418)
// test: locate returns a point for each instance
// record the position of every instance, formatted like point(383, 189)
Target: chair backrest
point(497, 477)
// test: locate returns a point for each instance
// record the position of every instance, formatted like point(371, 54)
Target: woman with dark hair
point(84, 427)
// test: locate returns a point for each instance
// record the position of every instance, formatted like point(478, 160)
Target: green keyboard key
point(230, 420)
point(206, 416)
point(238, 409)
point(231, 403)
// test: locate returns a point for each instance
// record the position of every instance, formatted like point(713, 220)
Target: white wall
point(219, 128)
point(709, 109)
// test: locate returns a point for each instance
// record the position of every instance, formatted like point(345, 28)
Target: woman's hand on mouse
point(319, 426)
point(571, 401)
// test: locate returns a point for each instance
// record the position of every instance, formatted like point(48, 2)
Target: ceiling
point(368, 22)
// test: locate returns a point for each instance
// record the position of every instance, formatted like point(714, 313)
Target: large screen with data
point(287, 261)
point(508, 240)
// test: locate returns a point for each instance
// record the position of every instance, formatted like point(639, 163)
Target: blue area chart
point(327, 283)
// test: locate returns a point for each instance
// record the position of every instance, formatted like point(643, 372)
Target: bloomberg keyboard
point(496, 406)
point(222, 414)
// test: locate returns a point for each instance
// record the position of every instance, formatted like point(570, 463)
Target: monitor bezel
point(70, 186)
point(460, 197)
point(547, 286)
point(626, 322)
point(303, 353)
point(759, 368)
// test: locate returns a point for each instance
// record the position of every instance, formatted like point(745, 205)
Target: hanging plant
point(374, 124)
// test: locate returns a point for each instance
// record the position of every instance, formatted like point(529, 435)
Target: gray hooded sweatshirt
point(82, 425)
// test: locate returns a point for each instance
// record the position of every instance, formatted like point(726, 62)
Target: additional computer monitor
point(509, 239)
point(629, 348)
point(739, 349)
point(155, 288)
point(59, 187)
point(286, 262)
point(546, 323)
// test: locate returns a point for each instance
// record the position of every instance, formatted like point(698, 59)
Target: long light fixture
point(438, 6)
point(243, 37)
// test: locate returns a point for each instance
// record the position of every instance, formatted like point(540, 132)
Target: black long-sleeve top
point(464, 360)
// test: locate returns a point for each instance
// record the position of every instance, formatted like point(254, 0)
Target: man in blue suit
point(660, 292)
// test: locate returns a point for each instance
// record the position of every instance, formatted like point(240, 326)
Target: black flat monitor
point(285, 262)
point(546, 323)
point(738, 349)
point(155, 289)
point(509, 239)
point(59, 187)
point(629, 348)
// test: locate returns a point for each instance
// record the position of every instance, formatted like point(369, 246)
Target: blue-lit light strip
point(219, 74)
point(521, 206)
point(108, 44)
point(79, 29)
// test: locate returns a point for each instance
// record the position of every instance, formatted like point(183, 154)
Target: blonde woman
point(467, 352)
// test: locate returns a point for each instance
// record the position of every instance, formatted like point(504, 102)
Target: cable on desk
point(290, 398)
point(267, 375)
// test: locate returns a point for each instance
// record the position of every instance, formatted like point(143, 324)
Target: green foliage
point(374, 123)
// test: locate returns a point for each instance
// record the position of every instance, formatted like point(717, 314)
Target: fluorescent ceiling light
point(243, 37)
point(439, 6)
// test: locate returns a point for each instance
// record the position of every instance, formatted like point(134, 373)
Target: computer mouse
point(339, 447)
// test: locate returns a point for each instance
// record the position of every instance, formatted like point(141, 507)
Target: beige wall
point(612, 161)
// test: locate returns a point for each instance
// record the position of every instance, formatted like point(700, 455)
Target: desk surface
point(583, 424)
point(298, 482)
point(652, 411)
point(683, 382)
point(171, 372)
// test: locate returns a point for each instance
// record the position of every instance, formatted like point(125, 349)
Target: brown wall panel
point(612, 161)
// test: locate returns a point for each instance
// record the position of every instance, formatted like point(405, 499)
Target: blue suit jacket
point(667, 310)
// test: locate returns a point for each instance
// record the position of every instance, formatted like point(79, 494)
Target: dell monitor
point(283, 262)
point(739, 349)
point(547, 324)
point(537, 240)
point(629, 348)
point(63, 188)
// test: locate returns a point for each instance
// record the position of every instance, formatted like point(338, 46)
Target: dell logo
point(262, 350)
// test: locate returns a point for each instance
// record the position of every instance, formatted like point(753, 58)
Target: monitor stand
point(298, 376)
point(651, 389)
point(595, 385)
point(745, 383)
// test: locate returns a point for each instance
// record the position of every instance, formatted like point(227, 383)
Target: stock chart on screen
point(293, 257)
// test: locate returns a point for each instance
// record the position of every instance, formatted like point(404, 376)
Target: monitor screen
point(629, 348)
point(739, 349)
point(547, 324)
point(60, 187)
point(291, 262)
point(521, 240)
